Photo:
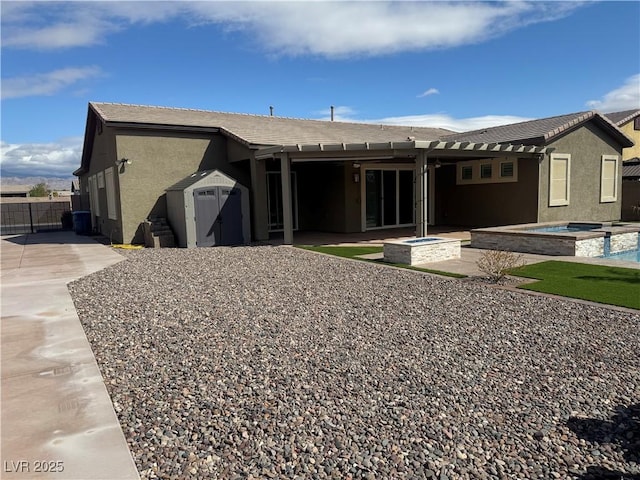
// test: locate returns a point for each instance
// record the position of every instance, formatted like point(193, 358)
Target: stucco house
point(629, 122)
point(350, 177)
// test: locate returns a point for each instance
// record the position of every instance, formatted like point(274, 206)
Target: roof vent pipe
point(332, 113)
point(271, 110)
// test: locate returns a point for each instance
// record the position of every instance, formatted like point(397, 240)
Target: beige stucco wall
point(586, 145)
point(352, 199)
point(158, 160)
point(631, 152)
point(103, 156)
point(488, 204)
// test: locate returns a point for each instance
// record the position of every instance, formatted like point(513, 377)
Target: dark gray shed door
point(218, 212)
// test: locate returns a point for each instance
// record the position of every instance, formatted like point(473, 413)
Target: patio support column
point(422, 206)
point(259, 210)
point(287, 217)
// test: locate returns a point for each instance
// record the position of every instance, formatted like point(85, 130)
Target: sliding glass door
point(274, 201)
point(389, 197)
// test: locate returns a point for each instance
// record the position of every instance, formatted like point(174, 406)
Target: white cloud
point(55, 159)
point(376, 28)
point(430, 91)
point(56, 25)
point(626, 97)
point(441, 120)
point(45, 83)
point(329, 29)
point(436, 120)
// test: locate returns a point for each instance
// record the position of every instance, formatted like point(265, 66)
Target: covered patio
point(357, 194)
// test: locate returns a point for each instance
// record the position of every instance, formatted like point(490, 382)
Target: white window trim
point(564, 201)
point(476, 168)
point(614, 198)
point(112, 212)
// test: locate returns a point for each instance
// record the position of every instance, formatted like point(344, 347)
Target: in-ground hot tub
point(580, 239)
point(415, 251)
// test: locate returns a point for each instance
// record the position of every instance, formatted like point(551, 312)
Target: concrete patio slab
point(57, 418)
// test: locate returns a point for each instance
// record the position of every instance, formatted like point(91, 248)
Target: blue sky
point(456, 65)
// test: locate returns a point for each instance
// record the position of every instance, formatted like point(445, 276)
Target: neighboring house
point(15, 191)
point(631, 190)
point(350, 177)
point(629, 122)
point(631, 170)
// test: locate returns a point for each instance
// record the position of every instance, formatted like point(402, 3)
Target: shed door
point(218, 212)
point(207, 211)
point(230, 217)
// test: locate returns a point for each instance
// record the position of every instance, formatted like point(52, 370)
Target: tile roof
point(264, 129)
point(631, 168)
point(620, 118)
point(532, 131)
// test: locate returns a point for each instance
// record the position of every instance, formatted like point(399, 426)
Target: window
point(111, 194)
point(487, 170)
point(506, 169)
point(559, 179)
point(636, 123)
point(609, 178)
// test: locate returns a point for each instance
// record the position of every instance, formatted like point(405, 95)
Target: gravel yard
point(273, 362)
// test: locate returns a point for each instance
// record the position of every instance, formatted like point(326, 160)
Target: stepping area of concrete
point(57, 418)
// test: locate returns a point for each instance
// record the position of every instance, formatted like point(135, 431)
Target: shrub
point(496, 263)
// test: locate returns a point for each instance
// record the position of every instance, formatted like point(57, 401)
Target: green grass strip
point(353, 252)
point(597, 283)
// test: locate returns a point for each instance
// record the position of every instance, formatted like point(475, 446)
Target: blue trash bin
point(82, 222)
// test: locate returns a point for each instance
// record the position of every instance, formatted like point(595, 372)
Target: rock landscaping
point(274, 362)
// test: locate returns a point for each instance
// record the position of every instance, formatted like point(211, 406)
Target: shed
point(209, 208)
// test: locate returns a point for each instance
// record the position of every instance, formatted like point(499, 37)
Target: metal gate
point(32, 217)
point(218, 216)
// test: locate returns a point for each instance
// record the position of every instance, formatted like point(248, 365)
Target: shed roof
point(263, 130)
point(539, 132)
point(620, 118)
point(195, 178)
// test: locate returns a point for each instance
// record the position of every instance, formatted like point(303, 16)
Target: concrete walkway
point(56, 413)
